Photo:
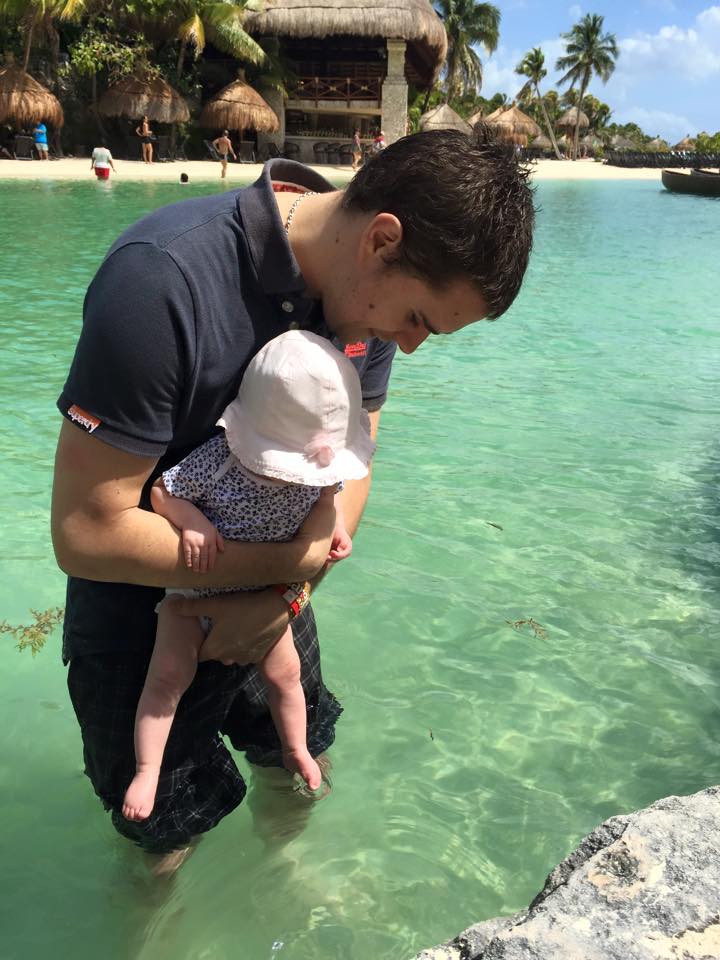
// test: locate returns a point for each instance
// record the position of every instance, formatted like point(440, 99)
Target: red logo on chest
point(358, 349)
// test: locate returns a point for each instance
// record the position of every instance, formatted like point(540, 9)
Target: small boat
point(700, 182)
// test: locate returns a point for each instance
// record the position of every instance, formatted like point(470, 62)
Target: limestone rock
point(640, 887)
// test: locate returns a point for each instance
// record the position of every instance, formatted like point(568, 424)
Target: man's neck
point(322, 237)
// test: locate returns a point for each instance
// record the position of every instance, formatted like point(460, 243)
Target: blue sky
point(667, 78)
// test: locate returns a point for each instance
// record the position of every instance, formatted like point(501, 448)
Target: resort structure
point(354, 63)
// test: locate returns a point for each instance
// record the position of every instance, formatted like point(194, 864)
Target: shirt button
point(287, 306)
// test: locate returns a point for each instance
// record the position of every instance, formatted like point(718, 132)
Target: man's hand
point(245, 625)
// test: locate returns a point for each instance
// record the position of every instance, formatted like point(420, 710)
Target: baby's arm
point(201, 540)
point(341, 546)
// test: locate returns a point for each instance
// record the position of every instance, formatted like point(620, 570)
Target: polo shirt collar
point(276, 266)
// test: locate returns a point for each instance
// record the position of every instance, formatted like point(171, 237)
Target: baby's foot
point(140, 795)
point(300, 761)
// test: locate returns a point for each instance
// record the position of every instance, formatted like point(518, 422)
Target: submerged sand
point(240, 173)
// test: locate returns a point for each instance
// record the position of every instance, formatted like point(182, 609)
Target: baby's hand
point(201, 543)
point(341, 546)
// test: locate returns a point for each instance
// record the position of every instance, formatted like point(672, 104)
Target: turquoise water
point(560, 465)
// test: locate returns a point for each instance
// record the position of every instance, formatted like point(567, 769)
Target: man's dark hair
point(465, 206)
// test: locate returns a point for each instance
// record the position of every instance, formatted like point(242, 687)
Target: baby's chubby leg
point(280, 669)
point(171, 671)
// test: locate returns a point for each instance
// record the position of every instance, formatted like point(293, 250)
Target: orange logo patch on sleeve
point(83, 418)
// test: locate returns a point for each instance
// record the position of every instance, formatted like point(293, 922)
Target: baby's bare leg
point(171, 671)
point(280, 669)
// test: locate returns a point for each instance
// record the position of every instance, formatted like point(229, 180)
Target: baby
point(296, 427)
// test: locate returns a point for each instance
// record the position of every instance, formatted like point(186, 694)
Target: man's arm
point(356, 492)
point(100, 532)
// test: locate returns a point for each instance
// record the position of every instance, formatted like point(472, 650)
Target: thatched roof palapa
point(494, 115)
point(444, 118)
point(239, 107)
point(657, 143)
point(687, 143)
point(149, 97)
point(542, 142)
point(514, 125)
point(414, 21)
point(477, 117)
point(619, 142)
point(25, 101)
point(569, 119)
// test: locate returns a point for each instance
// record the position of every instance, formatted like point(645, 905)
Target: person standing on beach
point(101, 162)
point(223, 145)
point(144, 131)
point(433, 235)
point(41, 141)
point(356, 150)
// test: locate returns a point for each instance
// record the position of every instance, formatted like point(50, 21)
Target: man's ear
point(382, 237)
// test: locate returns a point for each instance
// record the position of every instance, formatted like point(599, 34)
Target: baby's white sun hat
point(298, 415)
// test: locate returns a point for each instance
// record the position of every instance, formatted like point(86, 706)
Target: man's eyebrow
point(428, 326)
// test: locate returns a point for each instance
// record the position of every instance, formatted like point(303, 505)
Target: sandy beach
point(79, 169)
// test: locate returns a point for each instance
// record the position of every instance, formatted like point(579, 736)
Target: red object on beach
point(102, 173)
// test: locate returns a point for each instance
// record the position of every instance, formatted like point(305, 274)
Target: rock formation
point(640, 887)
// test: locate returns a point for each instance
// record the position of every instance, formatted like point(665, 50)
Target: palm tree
point(34, 14)
point(587, 50)
point(532, 66)
point(222, 22)
point(467, 24)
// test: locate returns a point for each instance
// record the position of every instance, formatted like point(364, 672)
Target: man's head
point(225, 133)
point(464, 207)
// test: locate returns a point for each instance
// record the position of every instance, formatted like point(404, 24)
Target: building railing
point(337, 88)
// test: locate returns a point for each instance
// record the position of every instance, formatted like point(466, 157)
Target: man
point(224, 146)
point(432, 235)
point(41, 141)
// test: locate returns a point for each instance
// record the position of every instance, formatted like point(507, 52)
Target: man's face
point(392, 305)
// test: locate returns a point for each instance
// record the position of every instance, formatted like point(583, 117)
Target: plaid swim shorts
point(199, 782)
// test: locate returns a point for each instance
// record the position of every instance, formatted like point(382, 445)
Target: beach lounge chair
point(246, 152)
point(273, 150)
point(23, 147)
point(162, 149)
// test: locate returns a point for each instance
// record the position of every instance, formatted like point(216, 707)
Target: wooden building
point(353, 60)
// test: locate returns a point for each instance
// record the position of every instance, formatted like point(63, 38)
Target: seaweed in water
point(536, 627)
point(34, 634)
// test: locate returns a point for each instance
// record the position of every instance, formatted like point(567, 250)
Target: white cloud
point(692, 53)
point(671, 126)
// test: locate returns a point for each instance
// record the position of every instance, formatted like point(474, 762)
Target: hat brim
point(263, 456)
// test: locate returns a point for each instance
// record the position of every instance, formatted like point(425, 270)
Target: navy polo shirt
point(183, 301)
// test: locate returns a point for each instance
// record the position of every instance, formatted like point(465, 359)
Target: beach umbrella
point(687, 143)
point(25, 101)
point(239, 107)
point(658, 144)
point(569, 120)
point(140, 96)
point(591, 140)
point(444, 118)
point(515, 126)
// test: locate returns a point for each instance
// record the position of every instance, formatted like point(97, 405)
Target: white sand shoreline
point(241, 173)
